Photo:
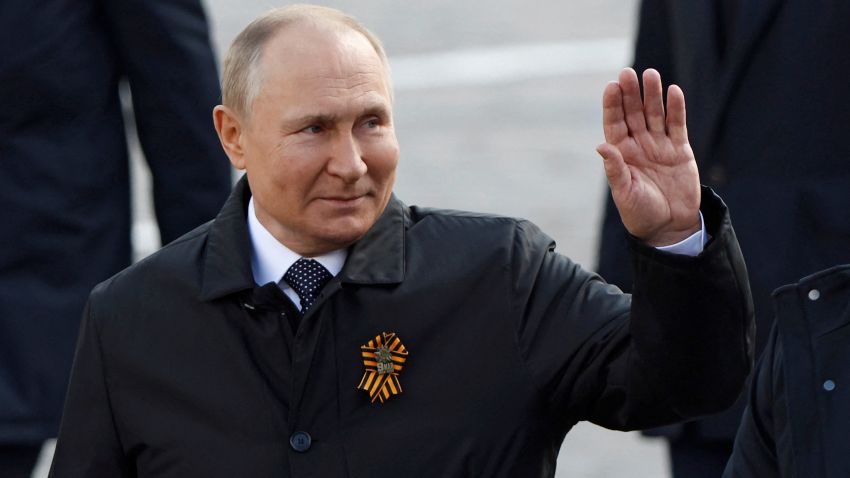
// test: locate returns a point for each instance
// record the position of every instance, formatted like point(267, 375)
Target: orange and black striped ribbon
point(384, 357)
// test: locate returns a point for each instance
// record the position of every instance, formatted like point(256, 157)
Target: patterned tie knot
point(307, 277)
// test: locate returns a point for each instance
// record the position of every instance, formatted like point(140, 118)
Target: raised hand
point(648, 161)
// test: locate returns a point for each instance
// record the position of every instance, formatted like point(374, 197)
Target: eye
point(313, 129)
point(372, 123)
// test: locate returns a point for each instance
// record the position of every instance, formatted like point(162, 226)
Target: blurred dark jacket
point(64, 186)
point(795, 424)
point(769, 119)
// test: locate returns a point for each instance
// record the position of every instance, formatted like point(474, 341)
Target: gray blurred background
point(497, 110)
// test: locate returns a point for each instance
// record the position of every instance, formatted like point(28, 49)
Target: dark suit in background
point(768, 118)
point(65, 187)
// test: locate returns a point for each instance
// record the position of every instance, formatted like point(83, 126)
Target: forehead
point(321, 58)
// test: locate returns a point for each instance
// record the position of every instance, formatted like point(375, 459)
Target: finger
point(616, 170)
point(613, 117)
point(677, 129)
point(653, 102)
point(632, 105)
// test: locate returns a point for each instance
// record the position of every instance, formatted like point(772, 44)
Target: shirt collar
point(270, 259)
point(377, 258)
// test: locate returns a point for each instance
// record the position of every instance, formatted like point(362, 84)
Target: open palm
point(648, 161)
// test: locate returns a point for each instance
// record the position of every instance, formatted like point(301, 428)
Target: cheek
point(298, 169)
point(383, 161)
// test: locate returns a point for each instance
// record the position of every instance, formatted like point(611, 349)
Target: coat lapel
point(696, 65)
point(754, 19)
point(376, 259)
point(227, 257)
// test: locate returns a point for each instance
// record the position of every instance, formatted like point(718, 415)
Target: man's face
point(320, 149)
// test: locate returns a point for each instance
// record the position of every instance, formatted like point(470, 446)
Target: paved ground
point(497, 109)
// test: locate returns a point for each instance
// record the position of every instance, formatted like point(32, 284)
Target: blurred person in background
point(795, 424)
point(767, 116)
point(65, 186)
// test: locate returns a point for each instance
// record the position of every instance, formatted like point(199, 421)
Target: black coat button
point(300, 441)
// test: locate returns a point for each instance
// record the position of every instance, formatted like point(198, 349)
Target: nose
point(346, 162)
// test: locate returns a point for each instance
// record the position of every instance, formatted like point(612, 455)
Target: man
point(412, 341)
point(767, 131)
point(795, 424)
point(65, 185)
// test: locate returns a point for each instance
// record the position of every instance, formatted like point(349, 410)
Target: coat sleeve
point(88, 444)
point(612, 262)
point(754, 452)
point(680, 347)
point(165, 53)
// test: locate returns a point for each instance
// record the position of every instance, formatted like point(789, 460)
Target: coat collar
point(821, 303)
point(832, 281)
point(377, 258)
point(227, 258)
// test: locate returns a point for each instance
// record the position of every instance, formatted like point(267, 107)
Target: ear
point(229, 127)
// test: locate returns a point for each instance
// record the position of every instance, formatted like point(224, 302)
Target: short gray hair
point(241, 76)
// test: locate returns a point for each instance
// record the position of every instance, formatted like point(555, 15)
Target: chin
point(343, 236)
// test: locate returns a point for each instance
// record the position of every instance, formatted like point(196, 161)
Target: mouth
point(344, 201)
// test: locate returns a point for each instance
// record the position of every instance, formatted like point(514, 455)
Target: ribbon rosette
point(384, 357)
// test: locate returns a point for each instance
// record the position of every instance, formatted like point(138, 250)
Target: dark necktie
point(307, 277)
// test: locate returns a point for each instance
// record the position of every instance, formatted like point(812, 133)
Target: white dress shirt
point(691, 246)
point(270, 259)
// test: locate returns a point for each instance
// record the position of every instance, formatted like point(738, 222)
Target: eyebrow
point(325, 119)
point(322, 119)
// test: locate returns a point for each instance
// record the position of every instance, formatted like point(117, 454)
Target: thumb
point(618, 174)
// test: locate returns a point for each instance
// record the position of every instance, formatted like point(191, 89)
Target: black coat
point(64, 187)
point(795, 424)
point(186, 367)
point(768, 122)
